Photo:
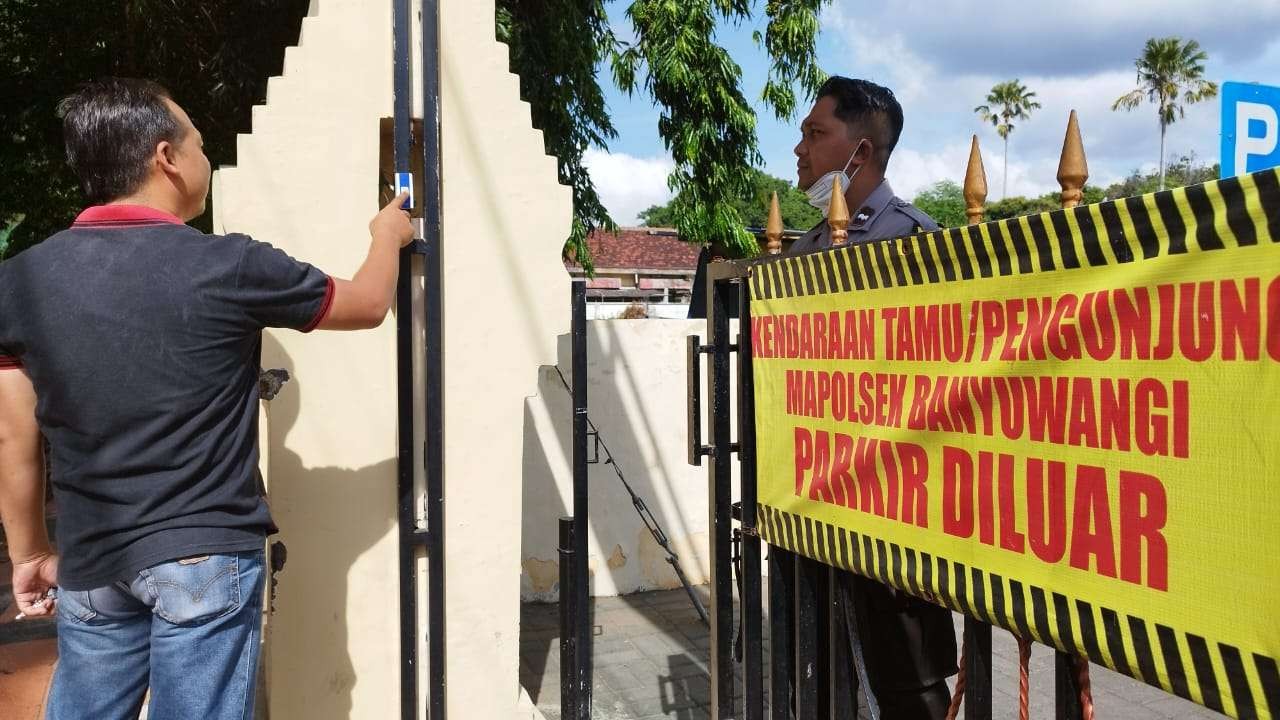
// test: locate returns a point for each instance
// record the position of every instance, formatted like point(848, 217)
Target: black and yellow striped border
point(1216, 675)
point(1235, 212)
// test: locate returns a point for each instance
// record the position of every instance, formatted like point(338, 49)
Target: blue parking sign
point(1250, 128)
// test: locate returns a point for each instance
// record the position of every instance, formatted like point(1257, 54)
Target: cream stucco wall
point(506, 301)
point(305, 180)
point(636, 392)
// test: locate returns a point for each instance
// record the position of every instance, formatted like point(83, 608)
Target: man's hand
point(392, 222)
point(32, 581)
point(363, 301)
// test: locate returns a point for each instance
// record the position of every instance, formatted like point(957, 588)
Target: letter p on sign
point(1250, 128)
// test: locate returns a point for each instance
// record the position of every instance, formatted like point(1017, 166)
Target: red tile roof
point(641, 249)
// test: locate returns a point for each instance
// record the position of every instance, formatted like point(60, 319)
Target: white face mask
point(820, 191)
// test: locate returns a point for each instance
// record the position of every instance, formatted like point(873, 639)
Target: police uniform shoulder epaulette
point(918, 216)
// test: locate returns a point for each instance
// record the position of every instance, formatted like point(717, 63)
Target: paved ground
point(651, 662)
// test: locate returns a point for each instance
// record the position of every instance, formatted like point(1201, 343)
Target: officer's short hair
point(869, 109)
point(111, 127)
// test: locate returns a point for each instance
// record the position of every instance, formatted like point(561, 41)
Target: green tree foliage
point(706, 123)
point(1183, 171)
point(214, 55)
point(1007, 101)
point(944, 202)
point(557, 54)
point(6, 232)
point(1018, 206)
point(790, 38)
point(753, 208)
point(1170, 76)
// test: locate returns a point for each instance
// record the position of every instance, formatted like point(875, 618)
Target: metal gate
point(415, 535)
point(808, 658)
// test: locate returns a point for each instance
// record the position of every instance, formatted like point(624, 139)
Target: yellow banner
point(1062, 424)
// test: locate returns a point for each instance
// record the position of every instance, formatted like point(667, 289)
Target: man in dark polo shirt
point(909, 645)
point(132, 342)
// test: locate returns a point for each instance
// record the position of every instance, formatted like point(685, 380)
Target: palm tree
point(1170, 72)
point(1014, 102)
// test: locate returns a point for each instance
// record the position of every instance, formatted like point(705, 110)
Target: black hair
point(868, 108)
point(111, 128)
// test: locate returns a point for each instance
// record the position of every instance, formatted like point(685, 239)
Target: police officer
point(850, 134)
point(909, 645)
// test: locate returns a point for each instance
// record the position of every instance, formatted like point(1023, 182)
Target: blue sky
point(941, 57)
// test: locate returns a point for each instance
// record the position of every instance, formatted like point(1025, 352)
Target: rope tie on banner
point(958, 695)
point(1024, 678)
point(1024, 683)
point(1086, 693)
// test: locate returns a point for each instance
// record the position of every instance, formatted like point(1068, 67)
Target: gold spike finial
point(773, 228)
point(838, 215)
point(975, 185)
point(1073, 169)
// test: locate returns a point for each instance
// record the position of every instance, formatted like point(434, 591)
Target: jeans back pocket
point(190, 592)
point(76, 605)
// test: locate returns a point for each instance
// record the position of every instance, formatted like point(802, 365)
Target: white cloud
point(941, 58)
point(1048, 38)
point(911, 49)
point(628, 184)
point(911, 171)
point(889, 60)
point(1115, 142)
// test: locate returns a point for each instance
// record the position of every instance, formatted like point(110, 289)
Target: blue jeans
point(187, 629)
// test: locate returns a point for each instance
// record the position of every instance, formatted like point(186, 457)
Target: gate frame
point(412, 536)
point(792, 578)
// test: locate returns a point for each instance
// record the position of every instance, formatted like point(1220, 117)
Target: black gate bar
point(405, 494)
point(1066, 688)
point(582, 581)
point(843, 683)
point(812, 632)
point(568, 619)
point(977, 689)
point(433, 301)
point(720, 500)
point(576, 621)
point(751, 627)
point(435, 536)
point(782, 618)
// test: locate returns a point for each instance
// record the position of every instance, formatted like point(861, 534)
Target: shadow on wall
point(637, 401)
point(307, 633)
point(636, 397)
point(546, 456)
